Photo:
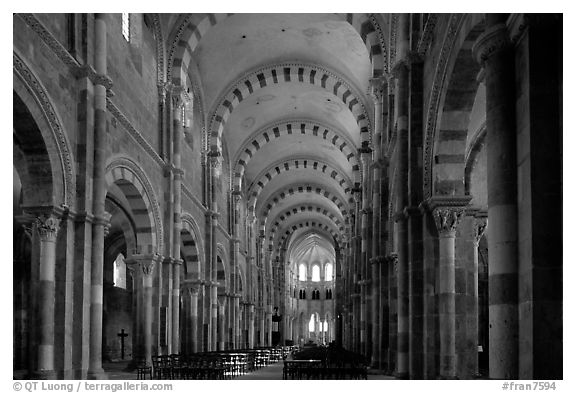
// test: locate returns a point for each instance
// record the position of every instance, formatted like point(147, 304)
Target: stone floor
point(117, 371)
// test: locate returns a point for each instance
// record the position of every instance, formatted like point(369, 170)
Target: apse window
point(302, 272)
point(328, 272)
point(120, 272)
point(312, 323)
point(126, 26)
point(315, 273)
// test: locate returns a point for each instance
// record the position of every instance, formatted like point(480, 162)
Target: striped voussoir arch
point(451, 137)
point(221, 267)
point(287, 73)
point(301, 189)
point(187, 38)
point(293, 127)
point(136, 188)
point(128, 230)
point(297, 163)
point(371, 34)
point(289, 213)
point(191, 249)
point(308, 224)
point(192, 29)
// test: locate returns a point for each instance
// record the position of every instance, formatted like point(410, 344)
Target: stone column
point(366, 158)
point(47, 225)
point(379, 87)
point(215, 171)
point(494, 51)
point(221, 322)
point(447, 213)
point(143, 268)
point(480, 225)
point(375, 312)
point(269, 325)
point(95, 370)
point(193, 294)
point(383, 314)
point(251, 316)
point(178, 107)
point(392, 261)
point(401, 73)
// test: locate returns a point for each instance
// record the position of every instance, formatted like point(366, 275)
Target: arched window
point(126, 26)
point(120, 272)
point(312, 323)
point(302, 272)
point(328, 272)
point(315, 273)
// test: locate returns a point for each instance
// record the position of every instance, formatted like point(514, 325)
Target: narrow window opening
point(126, 26)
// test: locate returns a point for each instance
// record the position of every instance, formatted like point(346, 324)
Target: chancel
point(268, 196)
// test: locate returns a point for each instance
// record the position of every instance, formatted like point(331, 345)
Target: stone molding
point(160, 65)
point(38, 91)
point(79, 70)
point(490, 42)
point(186, 191)
point(87, 71)
point(149, 190)
point(448, 43)
point(133, 132)
point(57, 48)
point(393, 35)
point(381, 39)
point(427, 35)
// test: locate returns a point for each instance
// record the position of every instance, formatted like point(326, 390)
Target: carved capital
point(378, 88)
point(392, 258)
point(147, 267)
point(447, 218)
point(177, 97)
point(106, 223)
point(143, 263)
point(47, 226)
point(215, 162)
point(447, 211)
point(493, 39)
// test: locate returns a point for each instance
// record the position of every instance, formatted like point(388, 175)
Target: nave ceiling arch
point(278, 114)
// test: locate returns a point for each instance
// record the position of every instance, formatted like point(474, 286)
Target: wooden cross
point(122, 335)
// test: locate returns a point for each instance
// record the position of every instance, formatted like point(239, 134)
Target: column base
point(97, 374)
point(447, 378)
point(402, 375)
point(43, 374)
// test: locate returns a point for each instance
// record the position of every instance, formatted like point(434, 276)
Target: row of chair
point(209, 365)
point(321, 371)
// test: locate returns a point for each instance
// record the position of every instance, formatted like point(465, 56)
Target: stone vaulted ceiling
point(286, 97)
